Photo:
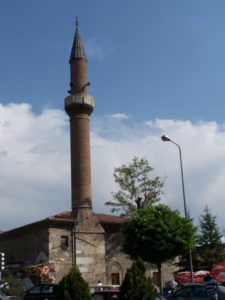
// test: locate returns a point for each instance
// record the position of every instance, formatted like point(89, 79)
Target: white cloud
point(34, 177)
point(97, 49)
point(35, 162)
point(202, 146)
point(119, 116)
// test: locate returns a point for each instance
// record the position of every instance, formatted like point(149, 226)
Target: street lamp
point(165, 138)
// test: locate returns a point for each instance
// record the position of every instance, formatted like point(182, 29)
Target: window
point(155, 278)
point(115, 278)
point(200, 291)
point(64, 241)
point(35, 290)
point(185, 292)
point(97, 297)
point(47, 289)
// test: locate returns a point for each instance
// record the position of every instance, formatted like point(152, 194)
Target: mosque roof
point(105, 220)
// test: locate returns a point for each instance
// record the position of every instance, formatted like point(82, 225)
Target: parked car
point(105, 294)
point(3, 296)
point(44, 291)
point(193, 291)
point(111, 295)
point(26, 283)
point(3, 284)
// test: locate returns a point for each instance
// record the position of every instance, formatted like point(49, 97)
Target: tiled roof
point(103, 218)
point(109, 219)
point(66, 216)
point(63, 215)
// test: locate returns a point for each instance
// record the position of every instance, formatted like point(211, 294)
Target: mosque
point(48, 248)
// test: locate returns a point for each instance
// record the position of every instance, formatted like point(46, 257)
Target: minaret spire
point(77, 51)
point(78, 65)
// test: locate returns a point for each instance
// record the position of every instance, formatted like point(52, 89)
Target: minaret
point(79, 106)
point(88, 235)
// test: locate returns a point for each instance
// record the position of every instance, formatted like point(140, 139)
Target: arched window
point(115, 277)
point(115, 274)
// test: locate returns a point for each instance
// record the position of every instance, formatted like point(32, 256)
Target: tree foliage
point(184, 261)
point(136, 189)
point(210, 247)
point(136, 285)
point(157, 234)
point(14, 286)
point(73, 287)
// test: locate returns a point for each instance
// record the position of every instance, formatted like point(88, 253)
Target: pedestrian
point(211, 287)
point(99, 283)
point(99, 286)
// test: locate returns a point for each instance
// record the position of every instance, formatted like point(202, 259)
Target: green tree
point(184, 261)
point(157, 234)
point(136, 188)
point(73, 287)
point(14, 286)
point(210, 247)
point(136, 285)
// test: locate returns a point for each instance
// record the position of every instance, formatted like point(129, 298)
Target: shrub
point(73, 287)
point(136, 286)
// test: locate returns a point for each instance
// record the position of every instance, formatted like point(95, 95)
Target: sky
point(155, 67)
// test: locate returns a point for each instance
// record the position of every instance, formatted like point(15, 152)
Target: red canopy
point(218, 272)
point(184, 277)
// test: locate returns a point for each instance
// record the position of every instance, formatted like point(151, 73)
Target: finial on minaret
point(77, 50)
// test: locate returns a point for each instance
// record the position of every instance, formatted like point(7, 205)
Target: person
point(211, 287)
point(99, 283)
point(170, 287)
point(99, 286)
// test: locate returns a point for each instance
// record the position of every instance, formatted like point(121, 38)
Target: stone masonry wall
point(90, 256)
point(116, 260)
point(60, 256)
point(26, 247)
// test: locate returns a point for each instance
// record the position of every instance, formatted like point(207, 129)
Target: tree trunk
point(159, 267)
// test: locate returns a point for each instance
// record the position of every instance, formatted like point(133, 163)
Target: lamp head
point(165, 138)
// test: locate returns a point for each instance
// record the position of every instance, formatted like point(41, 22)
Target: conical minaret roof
point(77, 51)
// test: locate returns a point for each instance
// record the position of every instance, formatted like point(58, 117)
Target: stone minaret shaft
point(79, 106)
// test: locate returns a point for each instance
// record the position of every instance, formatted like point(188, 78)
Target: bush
point(73, 287)
point(136, 286)
point(14, 287)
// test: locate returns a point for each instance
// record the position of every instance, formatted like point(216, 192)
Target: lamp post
point(167, 139)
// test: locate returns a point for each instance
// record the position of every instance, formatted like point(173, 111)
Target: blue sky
point(155, 67)
point(151, 59)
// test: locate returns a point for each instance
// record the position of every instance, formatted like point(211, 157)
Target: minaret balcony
point(79, 99)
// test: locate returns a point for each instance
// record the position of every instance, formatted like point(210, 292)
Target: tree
point(210, 247)
point(157, 234)
point(73, 287)
point(14, 286)
point(136, 189)
point(136, 285)
point(184, 261)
